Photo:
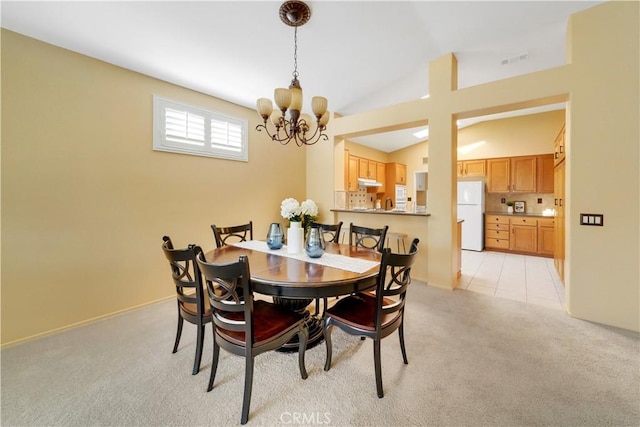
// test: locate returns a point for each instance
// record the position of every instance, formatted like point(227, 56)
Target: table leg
point(313, 323)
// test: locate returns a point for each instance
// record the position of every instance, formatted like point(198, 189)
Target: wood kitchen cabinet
point(512, 175)
point(472, 168)
point(524, 235)
point(381, 176)
point(546, 240)
point(559, 147)
point(545, 174)
point(367, 169)
point(559, 225)
point(352, 173)
point(396, 173)
point(496, 232)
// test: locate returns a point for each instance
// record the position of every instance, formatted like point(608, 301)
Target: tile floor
point(525, 278)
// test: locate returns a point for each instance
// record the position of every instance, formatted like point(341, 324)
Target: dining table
point(295, 280)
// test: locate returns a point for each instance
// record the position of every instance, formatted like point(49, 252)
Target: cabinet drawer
point(497, 234)
point(497, 219)
point(497, 227)
point(496, 243)
point(546, 222)
point(524, 221)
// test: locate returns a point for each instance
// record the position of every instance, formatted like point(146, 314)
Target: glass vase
point(314, 245)
point(275, 237)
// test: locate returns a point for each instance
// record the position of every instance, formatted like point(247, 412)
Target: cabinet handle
point(555, 202)
point(560, 202)
point(562, 148)
point(555, 155)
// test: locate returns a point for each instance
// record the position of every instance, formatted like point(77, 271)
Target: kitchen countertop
point(381, 212)
point(534, 215)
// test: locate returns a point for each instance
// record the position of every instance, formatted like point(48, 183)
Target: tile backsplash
point(361, 199)
point(493, 201)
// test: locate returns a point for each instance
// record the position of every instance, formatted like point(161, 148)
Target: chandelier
point(289, 124)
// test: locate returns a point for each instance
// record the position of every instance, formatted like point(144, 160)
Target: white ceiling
point(360, 55)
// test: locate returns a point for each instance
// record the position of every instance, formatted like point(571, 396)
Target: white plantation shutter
point(186, 129)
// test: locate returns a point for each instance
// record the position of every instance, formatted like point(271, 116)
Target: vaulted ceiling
point(360, 55)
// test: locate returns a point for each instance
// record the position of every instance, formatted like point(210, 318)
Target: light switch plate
point(592, 219)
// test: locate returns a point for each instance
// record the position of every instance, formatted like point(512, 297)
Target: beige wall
point(601, 84)
point(85, 200)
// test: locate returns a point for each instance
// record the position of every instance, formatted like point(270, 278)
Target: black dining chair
point(192, 305)
point(244, 326)
point(366, 237)
point(331, 232)
point(376, 314)
point(235, 233)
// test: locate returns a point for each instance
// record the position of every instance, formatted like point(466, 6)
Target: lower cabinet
point(521, 234)
point(546, 236)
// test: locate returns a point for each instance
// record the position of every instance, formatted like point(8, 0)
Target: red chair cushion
point(269, 321)
point(359, 311)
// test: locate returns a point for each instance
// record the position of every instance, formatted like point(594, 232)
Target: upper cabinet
point(472, 168)
point(559, 147)
point(351, 173)
point(396, 174)
point(367, 169)
point(381, 177)
point(524, 174)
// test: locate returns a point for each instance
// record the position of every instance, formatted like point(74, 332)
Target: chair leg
point(378, 367)
point(303, 337)
point(199, 344)
point(214, 364)
point(178, 333)
point(326, 329)
point(248, 383)
point(404, 351)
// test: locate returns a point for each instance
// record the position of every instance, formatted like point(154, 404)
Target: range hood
point(363, 182)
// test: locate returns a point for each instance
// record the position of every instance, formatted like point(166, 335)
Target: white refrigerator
point(471, 210)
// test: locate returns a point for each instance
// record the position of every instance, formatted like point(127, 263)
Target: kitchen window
point(186, 129)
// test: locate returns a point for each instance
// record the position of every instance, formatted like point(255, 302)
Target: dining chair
point(190, 297)
point(331, 232)
point(235, 233)
point(370, 238)
point(376, 314)
point(244, 326)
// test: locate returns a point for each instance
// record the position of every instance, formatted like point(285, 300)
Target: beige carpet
point(474, 360)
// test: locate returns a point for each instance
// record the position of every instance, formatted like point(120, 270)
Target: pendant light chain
point(295, 53)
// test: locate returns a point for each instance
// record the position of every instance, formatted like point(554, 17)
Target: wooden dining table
point(297, 281)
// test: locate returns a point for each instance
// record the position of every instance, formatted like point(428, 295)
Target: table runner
point(341, 262)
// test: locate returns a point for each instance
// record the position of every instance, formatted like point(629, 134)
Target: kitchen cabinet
point(381, 176)
point(396, 174)
point(367, 169)
point(545, 174)
point(559, 224)
point(496, 232)
point(512, 175)
point(559, 147)
point(352, 173)
point(524, 235)
point(472, 168)
point(546, 240)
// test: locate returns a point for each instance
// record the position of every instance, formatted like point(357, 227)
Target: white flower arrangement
point(304, 212)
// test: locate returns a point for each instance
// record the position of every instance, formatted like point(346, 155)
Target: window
point(181, 128)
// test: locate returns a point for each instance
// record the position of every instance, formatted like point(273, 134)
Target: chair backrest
point(371, 238)
point(233, 234)
point(393, 281)
point(186, 274)
point(230, 296)
point(331, 232)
